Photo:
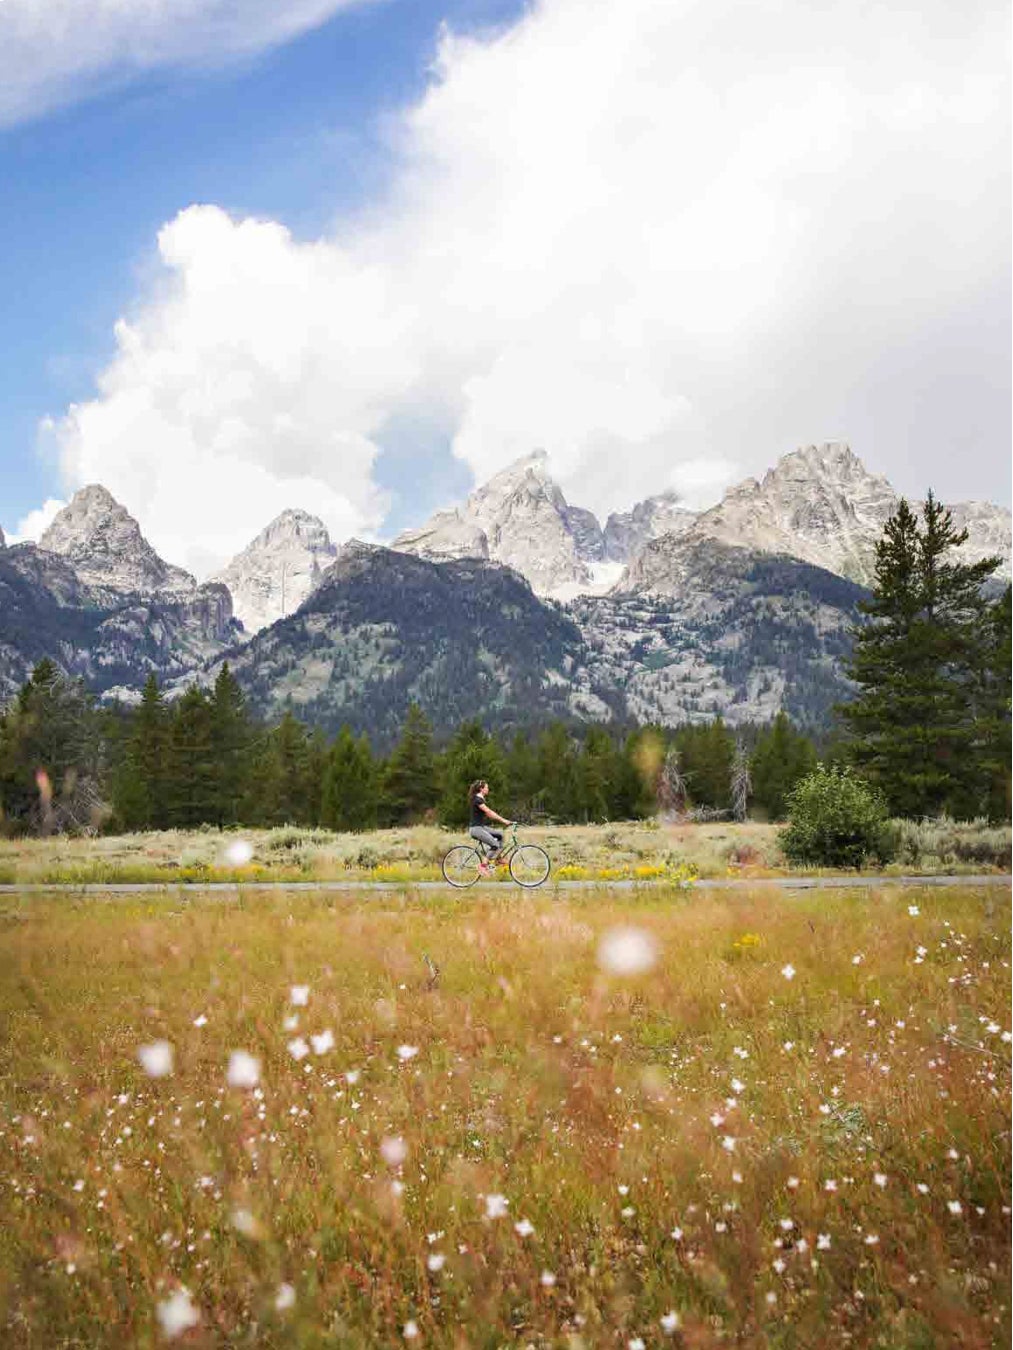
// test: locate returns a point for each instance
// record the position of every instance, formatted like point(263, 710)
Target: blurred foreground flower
point(627, 951)
point(244, 1070)
point(156, 1059)
point(495, 1206)
point(393, 1151)
point(177, 1314)
point(299, 994)
point(239, 852)
point(285, 1298)
point(322, 1043)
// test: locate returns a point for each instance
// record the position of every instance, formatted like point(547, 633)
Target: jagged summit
point(278, 569)
point(104, 543)
point(520, 518)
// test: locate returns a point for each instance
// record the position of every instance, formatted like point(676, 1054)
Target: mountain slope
point(462, 638)
point(277, 570)
point(731, 631)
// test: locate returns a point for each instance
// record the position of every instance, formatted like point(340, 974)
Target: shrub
point(836, 819)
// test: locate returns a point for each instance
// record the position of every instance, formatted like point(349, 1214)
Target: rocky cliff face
point(96, 598)
point(276, 571)
point(520, 519)
point(104, 545)
point(626, 532)
point(818, 504)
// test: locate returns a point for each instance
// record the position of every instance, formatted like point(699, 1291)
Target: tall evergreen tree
point(781, 758)
point(190, 781)
point(917, 664)
point(472, 754)
point(139, 793)
point(707, 752)
point(50, 756)
point(410, 784)
point(351, 786)
point(231, 742)
point(595, 775)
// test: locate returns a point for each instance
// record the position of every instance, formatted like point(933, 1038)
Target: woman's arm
point(493, 816)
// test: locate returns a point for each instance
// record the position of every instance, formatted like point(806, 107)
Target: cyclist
point(479, 817)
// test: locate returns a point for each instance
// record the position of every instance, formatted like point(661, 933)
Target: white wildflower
point(823, 1242)
point(393, 1150)
point(495, 1206)
point(322, 1043)
point(407, 1052)
point(669, 1322)
point(239, 852)
point(243, 1070)
point(156, 1059)
point(299, 995)
point(788, 971)
point(298, 1048)
point(285, 1298)
point(524, 1228)
point(954, 1206)
point(627, 951)
point(177, 1314)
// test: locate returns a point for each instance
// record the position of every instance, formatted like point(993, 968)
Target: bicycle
point(528, 863)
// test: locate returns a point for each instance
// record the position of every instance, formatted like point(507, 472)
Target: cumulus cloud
point(666, 241)
point(52, 51)
point(31, 526)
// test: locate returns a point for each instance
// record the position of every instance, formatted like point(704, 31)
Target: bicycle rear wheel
point(460, 866)
point(529, 865)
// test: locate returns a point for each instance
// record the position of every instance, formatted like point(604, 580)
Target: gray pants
point(492, 839)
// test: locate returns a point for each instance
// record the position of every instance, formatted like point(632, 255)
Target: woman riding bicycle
point(479, 816)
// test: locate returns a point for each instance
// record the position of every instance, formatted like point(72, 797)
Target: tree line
point(202, 759)
point(929, 727)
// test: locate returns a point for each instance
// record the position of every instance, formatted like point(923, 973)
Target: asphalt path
point(829, 883)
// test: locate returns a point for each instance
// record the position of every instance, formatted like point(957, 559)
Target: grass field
point(645, 850)
point(482, 1121)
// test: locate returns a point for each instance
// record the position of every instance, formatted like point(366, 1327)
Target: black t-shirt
point(478, 816)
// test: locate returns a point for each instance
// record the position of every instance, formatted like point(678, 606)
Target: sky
point(354, 256)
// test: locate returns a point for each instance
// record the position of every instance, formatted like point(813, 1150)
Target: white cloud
point(31, 526)
point(666, 241)
point(52, 51)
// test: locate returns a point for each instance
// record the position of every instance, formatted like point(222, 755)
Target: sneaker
point(484, 870)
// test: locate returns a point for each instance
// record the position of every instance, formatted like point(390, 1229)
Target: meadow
point(479, 1120)
point(646, 850)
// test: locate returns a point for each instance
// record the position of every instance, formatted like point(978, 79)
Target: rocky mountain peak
point(520, 518)
point(278, 569)
point(106, 548)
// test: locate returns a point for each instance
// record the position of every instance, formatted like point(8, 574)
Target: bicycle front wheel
point(529, 865)
point(460, 866)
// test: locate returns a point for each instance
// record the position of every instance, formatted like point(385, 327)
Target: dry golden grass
point(623, 849)
point(668, 1137)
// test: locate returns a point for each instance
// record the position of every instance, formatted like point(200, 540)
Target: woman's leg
point(492, 839)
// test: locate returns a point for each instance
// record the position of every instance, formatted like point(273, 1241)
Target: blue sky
point(355, 255)
point(294, 133)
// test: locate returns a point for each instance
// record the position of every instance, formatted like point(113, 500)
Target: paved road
point(712, 884)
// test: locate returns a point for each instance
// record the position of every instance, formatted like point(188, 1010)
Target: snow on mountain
point(519, 518)
point(104, 545)
point(277, 571)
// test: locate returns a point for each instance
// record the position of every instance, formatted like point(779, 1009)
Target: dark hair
point(475, 788)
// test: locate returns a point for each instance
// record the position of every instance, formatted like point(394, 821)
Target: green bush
point(836, 820)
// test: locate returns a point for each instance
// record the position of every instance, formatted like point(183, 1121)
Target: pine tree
point(139, 795)
point(472, 754)
point(520, 767)
point(50, 757)
point(781, 758)
point(706, 753)
point(230, 739)
point(558, 791)
point(917, 665)
point(190, 781)
point(351, 787)
point(410, 784)
point(595, 773)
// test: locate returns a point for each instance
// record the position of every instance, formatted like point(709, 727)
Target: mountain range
point(513, 606)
